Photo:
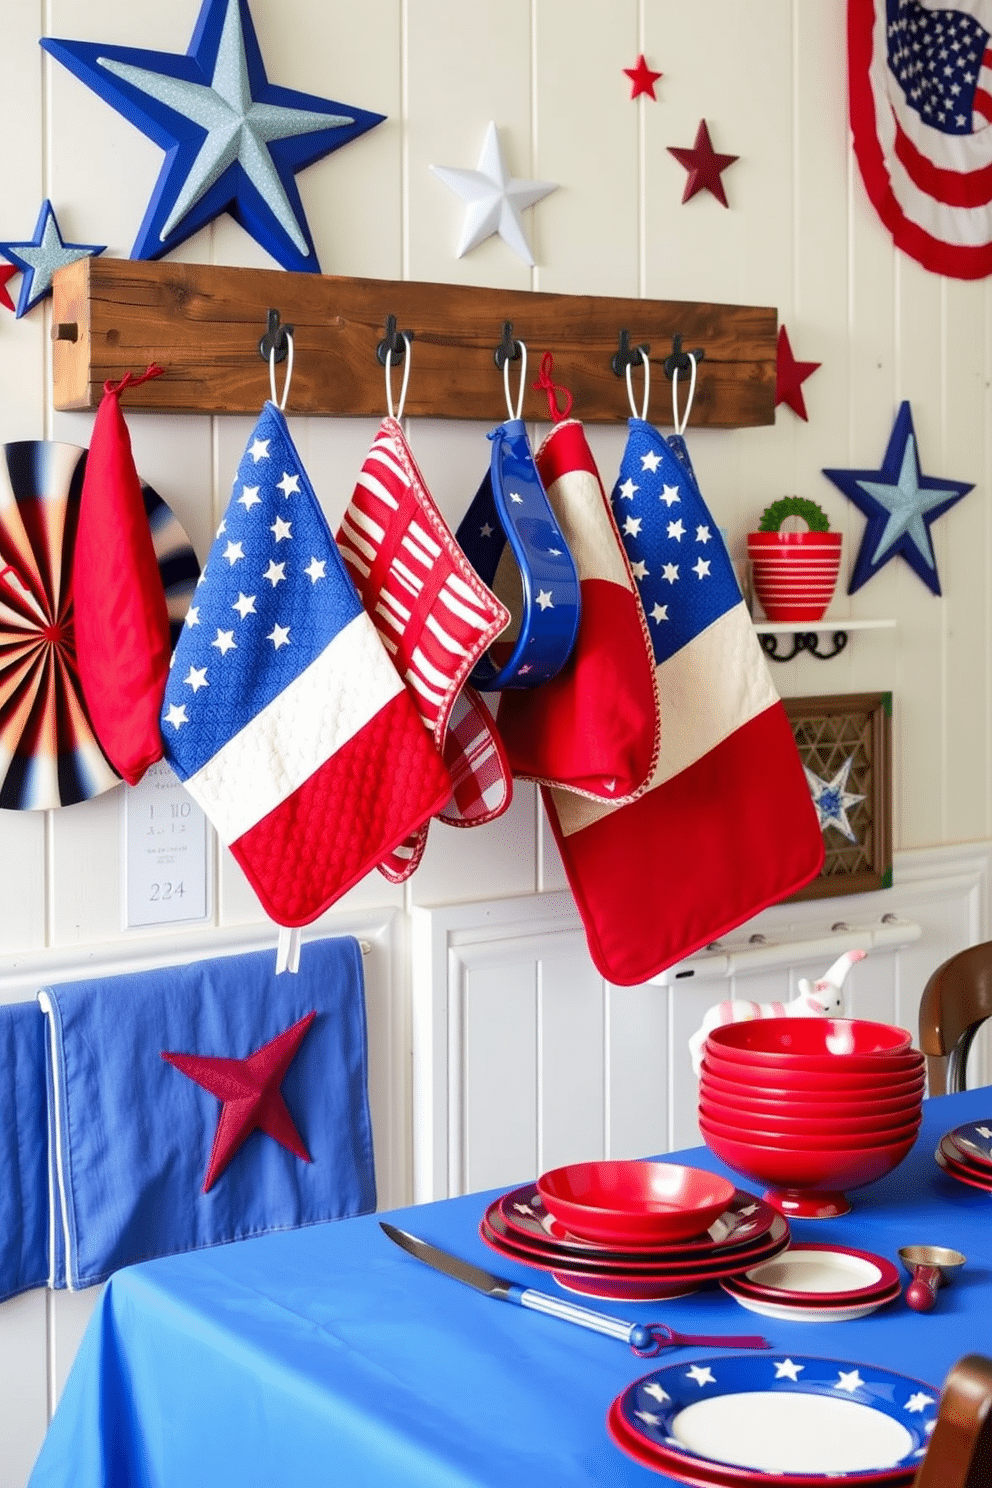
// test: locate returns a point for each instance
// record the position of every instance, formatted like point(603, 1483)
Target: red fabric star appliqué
point(790, 376)
point(704, 165)
point(249, 1089)
point(7, 271)
point(642, 78)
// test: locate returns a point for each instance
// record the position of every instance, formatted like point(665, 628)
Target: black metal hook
point(508, 350)
point(392, 347)
point(627, 355)
point(679, 359)
point(274, 340)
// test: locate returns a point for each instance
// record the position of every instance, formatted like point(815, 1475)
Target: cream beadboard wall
point(770, 79)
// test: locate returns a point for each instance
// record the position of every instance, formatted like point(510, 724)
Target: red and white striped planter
point(794, 573)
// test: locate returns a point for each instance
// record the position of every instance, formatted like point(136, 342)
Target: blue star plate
point(778, 1420)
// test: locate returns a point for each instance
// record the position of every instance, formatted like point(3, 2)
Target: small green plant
point(793, 506)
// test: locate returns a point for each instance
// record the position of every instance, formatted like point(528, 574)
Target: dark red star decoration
point(704, 165)
point(249, 1089)
point(642, 78)
point(7, 271)
point(790, 376)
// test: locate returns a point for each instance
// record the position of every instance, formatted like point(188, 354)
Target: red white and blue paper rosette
point(49, 755)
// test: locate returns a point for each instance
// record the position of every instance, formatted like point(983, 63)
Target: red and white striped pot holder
point(436, 618)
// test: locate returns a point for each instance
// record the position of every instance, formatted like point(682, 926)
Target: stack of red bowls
point(810, 1106)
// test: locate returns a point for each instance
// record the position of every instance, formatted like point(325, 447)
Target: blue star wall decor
point(39, 258)
point(832, 798)
point(901, 505)
point(233, 141)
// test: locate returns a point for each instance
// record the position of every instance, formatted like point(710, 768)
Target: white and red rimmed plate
point(777, 1420)
point(744, 1221)
point(816, 1284)
point(969, 1175)
point(971, 1144)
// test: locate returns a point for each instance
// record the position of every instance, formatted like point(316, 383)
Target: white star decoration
point(659, 612)
point(670, 572)
point(516, 498)
point(651, 461)
point(701, 1374)
point(289, 485)
point(670, 495)
point(919, 1402)
point(233, 553)
point(850, 1381)
point(676, 530)
point(544, 599)
point(315, 569)
point(281, 529)
point(701, 568)
point(703, 534)
point(984, 1131)
point(279, 636)
point(632, 526)
point(493, 199)
point(832, 799)
point(259, 450)
point(786, 1369)
point(656, 1392)
point(193, 615)
point(177, 716)
point(196, 678)
point(249, 497)
point(224, 641)
point(244, 604)
point(627, 489)
point(648, 1418)
point(639, 569)
point(275, 573)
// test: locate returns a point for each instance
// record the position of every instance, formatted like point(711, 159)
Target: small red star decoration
point(704, 165)
point(642, 78)
point(7, 271)
point(790, 376)
point(249, 1089)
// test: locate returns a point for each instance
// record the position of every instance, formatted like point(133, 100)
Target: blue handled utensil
point(646, 1339)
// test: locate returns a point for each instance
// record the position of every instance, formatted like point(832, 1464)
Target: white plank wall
point(770, 78)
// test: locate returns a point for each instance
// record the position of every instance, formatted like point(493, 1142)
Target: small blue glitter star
point(233, 140)
point(39, 258)
point(901, 505)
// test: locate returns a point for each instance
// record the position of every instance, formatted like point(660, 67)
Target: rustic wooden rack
point(203, 325)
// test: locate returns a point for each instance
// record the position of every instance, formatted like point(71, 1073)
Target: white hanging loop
point(405, 357)
point(647, 388)
point(289, 371)
point(523, 382)
point(680, 427)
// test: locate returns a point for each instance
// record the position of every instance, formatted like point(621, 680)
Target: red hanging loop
point(129, 379)
point(557, 412)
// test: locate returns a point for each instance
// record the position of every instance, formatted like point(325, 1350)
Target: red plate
point(745, 1220)
point(958, 1159)
point(963, 1175)
point(802, 1259)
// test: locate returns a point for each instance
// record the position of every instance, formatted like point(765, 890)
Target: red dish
point(745, 1221)
point(891, 1078)
point(822, 1140)
point(762, 1102)
point(618, 1201)
point(808, 1185)
point(799, 1122)
point(823, 1039)
point(963, 1175)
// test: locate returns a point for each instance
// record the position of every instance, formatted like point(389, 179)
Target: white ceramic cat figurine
point(819, 999)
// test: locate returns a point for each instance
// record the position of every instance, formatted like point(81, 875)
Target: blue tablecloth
point(326, 1355)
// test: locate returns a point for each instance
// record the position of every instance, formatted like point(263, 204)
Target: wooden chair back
point(960, 1451)
point(956, 1001)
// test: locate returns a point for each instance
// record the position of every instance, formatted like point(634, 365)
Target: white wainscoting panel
point(524, 1057)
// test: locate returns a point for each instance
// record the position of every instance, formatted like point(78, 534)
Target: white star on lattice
point(832, 799)
point(544, 599)
point(493, 198)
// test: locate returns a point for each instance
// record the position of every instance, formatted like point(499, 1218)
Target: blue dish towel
point(23, 1150)
point(131, 1135)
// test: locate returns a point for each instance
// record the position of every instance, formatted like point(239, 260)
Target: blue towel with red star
point(23, 1151)
point(193, 1105)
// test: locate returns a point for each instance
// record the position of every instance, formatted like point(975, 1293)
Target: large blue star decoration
point(901, 504)
point(39, 258)
point(233, 141)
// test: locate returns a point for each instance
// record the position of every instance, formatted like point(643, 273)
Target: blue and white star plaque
point(38, 259)
point(901, 505)
point(233, 141)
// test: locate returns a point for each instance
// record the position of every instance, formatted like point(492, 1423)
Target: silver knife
point(646, 1339)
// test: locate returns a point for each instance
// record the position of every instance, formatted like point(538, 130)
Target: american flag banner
point(434, 616)
point(726, 825)
point(920, 89)
point(283, 714)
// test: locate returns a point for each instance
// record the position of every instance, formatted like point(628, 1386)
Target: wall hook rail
point(392, 348)
point(628, 356)
point(274, 342)
point(807, 641)
point(679, 361)
point(508, 349)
